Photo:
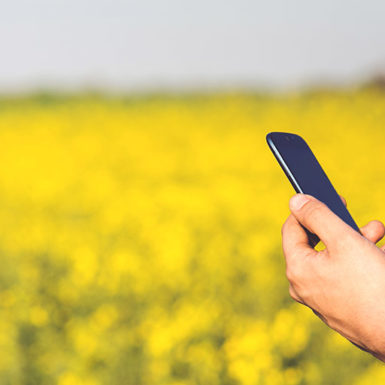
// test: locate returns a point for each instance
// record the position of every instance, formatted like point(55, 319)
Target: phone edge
point(291, 177)
point(283, 164)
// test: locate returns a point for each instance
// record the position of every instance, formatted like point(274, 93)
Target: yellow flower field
point(140, 238)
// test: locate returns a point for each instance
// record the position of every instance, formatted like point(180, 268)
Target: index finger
point(295, 239)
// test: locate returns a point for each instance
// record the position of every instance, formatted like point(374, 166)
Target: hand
point(344, 284)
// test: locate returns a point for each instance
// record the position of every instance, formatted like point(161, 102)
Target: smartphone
point(305, 173)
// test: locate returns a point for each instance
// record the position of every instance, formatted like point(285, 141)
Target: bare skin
point(344, 284)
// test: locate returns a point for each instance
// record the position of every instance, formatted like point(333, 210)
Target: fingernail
point(297, 201)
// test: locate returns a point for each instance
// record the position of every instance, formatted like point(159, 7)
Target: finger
point(319, 219)
point(374, 231)
point(295, 241)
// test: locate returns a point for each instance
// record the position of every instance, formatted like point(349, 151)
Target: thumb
point(319, 219)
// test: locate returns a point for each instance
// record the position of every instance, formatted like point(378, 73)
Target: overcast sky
point(150, 44)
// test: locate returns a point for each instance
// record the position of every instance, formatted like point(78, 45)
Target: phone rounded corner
point(270, 138)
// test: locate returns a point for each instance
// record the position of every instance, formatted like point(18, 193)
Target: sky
point(178, 44)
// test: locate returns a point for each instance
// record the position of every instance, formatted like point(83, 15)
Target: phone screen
point(305, 173)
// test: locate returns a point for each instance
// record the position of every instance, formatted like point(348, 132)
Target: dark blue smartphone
point(305, 173)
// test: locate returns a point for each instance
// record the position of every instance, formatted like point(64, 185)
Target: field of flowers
point(140, 238)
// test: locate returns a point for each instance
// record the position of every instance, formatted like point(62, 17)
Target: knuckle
point(296, 269)
point(293, 294)
point(289, 273)
point(292, 273)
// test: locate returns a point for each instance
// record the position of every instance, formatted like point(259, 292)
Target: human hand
point(344, 283)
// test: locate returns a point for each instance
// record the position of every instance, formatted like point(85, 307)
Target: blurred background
point(140, 208)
